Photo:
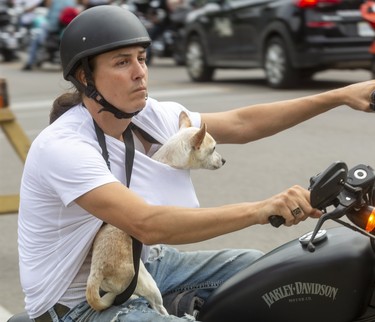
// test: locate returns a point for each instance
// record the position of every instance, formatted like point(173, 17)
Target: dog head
point(190, 148)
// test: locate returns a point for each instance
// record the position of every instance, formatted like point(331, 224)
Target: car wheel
point(279, 71)
point(196, 63)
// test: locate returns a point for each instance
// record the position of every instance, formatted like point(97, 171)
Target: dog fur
point(112, 266)
point(112, 270)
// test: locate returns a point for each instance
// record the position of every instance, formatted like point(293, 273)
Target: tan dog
point(112, 267)
point(112, 270)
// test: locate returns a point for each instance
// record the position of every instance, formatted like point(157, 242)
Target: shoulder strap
point(136, 244)
point(103, 145)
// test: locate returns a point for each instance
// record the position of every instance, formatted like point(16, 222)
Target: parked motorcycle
point(11, 35)
point(163, 46)
point(325, 275)
point(169, 42)
point(165, 28)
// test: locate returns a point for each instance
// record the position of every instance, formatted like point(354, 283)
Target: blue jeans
point(174, 272)
point(37, 41)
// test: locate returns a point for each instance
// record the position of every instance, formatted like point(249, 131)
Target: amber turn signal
point(370, 226)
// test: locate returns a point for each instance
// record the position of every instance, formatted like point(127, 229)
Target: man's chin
point(141, 105)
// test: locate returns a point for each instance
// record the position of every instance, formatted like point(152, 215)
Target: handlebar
point(276, 221)
point(350, 193)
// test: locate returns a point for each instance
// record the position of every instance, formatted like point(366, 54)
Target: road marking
point(4, 314)
point(42, 104)
point(31, 105)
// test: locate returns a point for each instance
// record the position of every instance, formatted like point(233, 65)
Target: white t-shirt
point(64, 162)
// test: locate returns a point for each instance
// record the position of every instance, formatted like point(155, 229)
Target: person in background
point(28, 11)
point(51, 24)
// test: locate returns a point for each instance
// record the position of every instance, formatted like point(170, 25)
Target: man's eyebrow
point(141, 51)
point(121, 55)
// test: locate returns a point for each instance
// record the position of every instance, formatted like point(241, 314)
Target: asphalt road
point(252, 172)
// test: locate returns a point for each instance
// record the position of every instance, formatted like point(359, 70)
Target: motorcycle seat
point(20, 317)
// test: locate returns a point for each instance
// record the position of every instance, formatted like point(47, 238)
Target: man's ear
point(80, 75)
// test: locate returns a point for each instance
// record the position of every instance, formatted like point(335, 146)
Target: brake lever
point(335, 214)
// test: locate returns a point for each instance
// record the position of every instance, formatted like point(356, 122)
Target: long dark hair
point(64, 103)
point(70, 99)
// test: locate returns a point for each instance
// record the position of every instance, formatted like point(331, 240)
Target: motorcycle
point(165, 29)
point(325, 275)
point(11, 35)
point(169, 42)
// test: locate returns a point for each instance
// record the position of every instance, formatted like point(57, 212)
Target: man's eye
point(122, 62)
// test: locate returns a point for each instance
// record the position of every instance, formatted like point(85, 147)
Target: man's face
point(121, 77)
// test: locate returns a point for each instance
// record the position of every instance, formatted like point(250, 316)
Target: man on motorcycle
point(70, 185)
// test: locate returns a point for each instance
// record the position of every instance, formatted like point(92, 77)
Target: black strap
point(92, 92)
point(136, 244)
point(129, 157)
point(103, 145)
point(145, 135)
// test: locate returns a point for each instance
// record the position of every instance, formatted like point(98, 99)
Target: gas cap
point(320, 236)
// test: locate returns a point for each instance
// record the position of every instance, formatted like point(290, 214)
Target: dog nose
point(223, 161)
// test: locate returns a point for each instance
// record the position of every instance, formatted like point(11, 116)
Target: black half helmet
point(98, 30)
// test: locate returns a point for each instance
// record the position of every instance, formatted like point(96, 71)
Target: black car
point(289, 39)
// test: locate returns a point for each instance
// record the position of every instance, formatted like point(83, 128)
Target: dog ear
point(197, 139)
point(184, 120)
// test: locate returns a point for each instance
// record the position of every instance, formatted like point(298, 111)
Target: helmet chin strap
point(91, 92)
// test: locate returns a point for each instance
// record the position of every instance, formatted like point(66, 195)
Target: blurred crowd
point(35, 26)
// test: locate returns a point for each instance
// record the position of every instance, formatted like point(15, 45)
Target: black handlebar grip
point(276, 221)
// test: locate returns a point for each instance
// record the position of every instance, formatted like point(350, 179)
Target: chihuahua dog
point(190, 148)
point(112, 267)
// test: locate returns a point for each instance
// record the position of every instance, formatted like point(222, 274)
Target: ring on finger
point(296, 212)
